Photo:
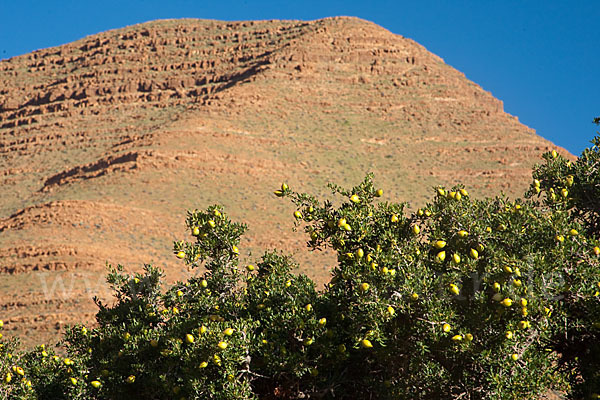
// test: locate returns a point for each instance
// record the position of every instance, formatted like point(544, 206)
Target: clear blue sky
point(541, 57)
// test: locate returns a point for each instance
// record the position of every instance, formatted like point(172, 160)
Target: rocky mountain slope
point(105, 142)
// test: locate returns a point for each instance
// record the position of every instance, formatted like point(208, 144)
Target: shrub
point(462, 298)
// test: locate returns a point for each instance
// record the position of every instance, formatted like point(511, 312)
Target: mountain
point(107, 141)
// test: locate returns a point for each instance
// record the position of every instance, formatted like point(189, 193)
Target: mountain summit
point(106, 141)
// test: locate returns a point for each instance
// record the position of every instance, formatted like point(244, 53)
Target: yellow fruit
point(130, 379)
point(517, 283)
point(322, 321)
point(228, 332)
point(278, 193)
point(496, 286)
point(308, 307)
point(416, 229)
point(524, 324)
point(341, 348)
point(514, 356)
point(355, 199)
point(458, 196)
point(1, 323)
point(523, 302)
point(439, 244)
point(364, 287)
point(454, 289)
point(297, 215)
point(379, 193)
point(222, 345)
point(189, 338)
point(457, 338)
point(391, 310)
point(420, 212)
point(508, 335)
point(288, 283)
point(8, 377)
point(309, 341)
point(506, 302)
point(181, 254)
point(554, 154)
point(463, 233)
point(524, 311)
point(474, 253)
point(284, 187)
point(394, 218)
point(564, 192)
point(441, 191)
point(456, 258)
point(570, 180)
point(347, 227)
point(596, 250)
point(203, 283)
point(179, 293)
point(469, 337)
point(508, 269)
point(573, 232)
point(560, 238)
point(212, 223)
point(488, 229)
point(84, 330)
point(385, 270)
point(73, 381)
point(96, 384)
point(451, 195)
point(68, 361)
point(446, 327)
point(536, 183)
point(392, 272)
point(414, 296)
point(427, 213)
point(203, 364)
point(19, 371)
point(341, 222)
point(441, 256)
point(217, 213)
point(216, 359)
point(517, 271)
point(360, 253)
point(366, 343)
point(195, 231)
point(464, 192)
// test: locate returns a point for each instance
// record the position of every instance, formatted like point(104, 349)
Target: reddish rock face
point(105, 142)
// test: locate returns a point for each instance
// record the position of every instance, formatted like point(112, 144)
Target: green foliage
point(463, 298)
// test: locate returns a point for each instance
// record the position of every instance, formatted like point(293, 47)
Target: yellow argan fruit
point(457, 338)
point(474, 254)
point(506, 302)
point(446, 327)
point(366, 343)
point(439, 244)
point(454, 289)
point(441, 256)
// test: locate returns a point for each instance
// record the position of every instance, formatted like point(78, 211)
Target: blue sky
point(540, 57)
